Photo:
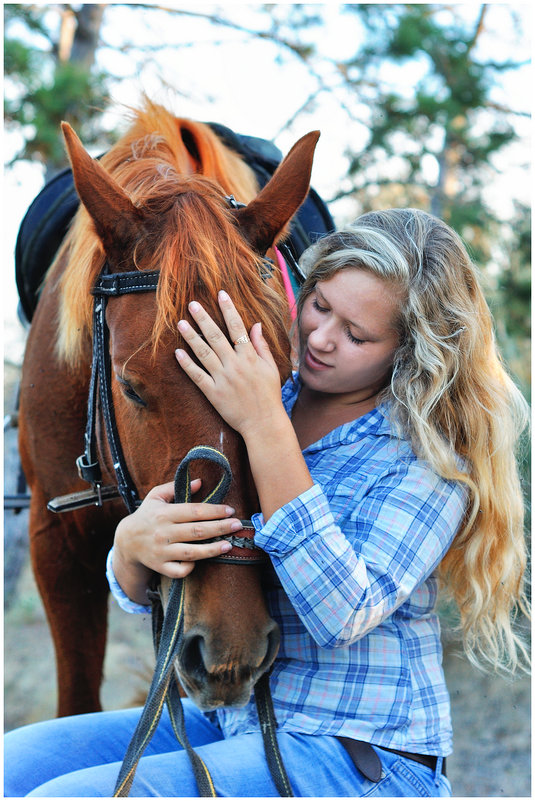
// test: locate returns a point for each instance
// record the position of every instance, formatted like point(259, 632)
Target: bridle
point(111, 285)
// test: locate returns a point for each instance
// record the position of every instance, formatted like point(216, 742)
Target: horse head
point(143, 209)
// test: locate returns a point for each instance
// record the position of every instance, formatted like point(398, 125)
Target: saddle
point(47, 220)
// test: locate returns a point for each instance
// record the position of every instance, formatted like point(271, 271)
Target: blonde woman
point(387, 469)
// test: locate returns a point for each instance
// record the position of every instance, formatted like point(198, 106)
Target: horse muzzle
point(213, 676)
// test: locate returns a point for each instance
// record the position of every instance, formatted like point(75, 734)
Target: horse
point(170, 200)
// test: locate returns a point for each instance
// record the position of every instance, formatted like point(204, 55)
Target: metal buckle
point(89, 472)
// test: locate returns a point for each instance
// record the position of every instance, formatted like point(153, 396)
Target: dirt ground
point(491, 716)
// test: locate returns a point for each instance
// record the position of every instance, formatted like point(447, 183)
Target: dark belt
point(367, 760)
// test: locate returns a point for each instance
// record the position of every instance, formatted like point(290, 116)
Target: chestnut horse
point(156, 201)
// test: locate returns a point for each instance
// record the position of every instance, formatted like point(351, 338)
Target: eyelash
point(353, 339)
point(130, 392)
point(349, 335)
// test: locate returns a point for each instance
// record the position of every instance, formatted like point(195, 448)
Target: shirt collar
point(376, 422)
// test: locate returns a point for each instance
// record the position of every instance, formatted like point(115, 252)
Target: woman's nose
point(323, 337)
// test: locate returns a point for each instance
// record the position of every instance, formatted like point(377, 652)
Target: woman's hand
point(168, 538)
point(241, 381)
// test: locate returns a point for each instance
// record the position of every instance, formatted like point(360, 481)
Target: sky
point(243, 85)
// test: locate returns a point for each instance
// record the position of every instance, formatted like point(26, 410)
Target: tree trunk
point(88, 23)
point(78, 42)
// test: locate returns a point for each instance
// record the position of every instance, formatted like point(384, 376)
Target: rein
point(168, 627)
point(168, 631)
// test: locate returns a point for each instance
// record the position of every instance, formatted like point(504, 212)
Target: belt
point(367, 760)
point(424, 759)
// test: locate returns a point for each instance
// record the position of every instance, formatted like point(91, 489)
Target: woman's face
point(347, 335)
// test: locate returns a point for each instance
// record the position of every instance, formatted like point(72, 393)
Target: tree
point(50, 77)
point(433, 140)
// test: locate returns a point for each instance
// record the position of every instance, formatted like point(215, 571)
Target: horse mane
point(179, 171)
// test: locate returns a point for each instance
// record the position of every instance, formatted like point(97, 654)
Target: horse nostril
point(201, 664)
point(192, 656)
point(273, 638)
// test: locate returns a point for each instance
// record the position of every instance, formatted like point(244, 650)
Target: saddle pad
point(40, 234)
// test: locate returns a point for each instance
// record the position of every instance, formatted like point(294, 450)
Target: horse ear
point(265, 218)
point(117, 220)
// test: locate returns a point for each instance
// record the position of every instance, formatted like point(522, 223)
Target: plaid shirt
point(353, 591)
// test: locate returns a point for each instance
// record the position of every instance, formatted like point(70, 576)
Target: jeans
point(81, 756)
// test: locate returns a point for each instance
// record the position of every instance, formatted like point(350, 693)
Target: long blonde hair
point(451, 396)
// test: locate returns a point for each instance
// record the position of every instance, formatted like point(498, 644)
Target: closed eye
point(354, 340)
point(130, 392)
point(324, 310)
point(317, 306)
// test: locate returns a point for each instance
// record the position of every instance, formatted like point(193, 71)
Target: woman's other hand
point(168, 538)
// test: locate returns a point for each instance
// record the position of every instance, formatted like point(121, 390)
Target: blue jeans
point(81, 756)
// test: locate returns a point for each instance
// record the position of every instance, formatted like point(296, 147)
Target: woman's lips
point(313, 363)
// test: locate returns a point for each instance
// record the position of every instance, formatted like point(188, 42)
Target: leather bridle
point(111, 285)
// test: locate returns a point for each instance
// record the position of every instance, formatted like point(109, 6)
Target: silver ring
point(242, 340)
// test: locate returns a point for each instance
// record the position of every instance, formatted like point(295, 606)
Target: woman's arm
point(349, 556)
point(346, 560)
point(167, 538)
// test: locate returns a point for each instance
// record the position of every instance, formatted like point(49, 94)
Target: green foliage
point(437, 119)
point(511, 300)
point(19, 60)
point(43, 90)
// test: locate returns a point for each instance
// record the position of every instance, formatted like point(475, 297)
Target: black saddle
point(47, 220)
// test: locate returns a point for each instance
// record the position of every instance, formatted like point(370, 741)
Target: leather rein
point(244, 551)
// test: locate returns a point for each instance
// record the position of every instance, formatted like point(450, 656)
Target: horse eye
point(130, 392)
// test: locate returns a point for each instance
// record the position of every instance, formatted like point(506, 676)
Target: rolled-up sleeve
point(348, 565)
point(118, 593)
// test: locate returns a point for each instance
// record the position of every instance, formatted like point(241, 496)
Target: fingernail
point(229, 510)
point(179, 354)
point(223, 295)
point(194, 306)
point(225, 547)
point(236, 526)
point(182, 325)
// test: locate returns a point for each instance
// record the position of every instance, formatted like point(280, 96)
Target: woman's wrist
point(268, 428)
point(279, 470)
point(132, 576)
point(126, 603)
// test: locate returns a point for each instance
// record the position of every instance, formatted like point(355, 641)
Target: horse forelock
point(195, 244)
point(202, 253)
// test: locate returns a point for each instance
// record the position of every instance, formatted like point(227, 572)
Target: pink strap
point(287, 283)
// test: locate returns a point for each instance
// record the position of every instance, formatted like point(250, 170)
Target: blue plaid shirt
point(354, 593)
point(353, 590)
